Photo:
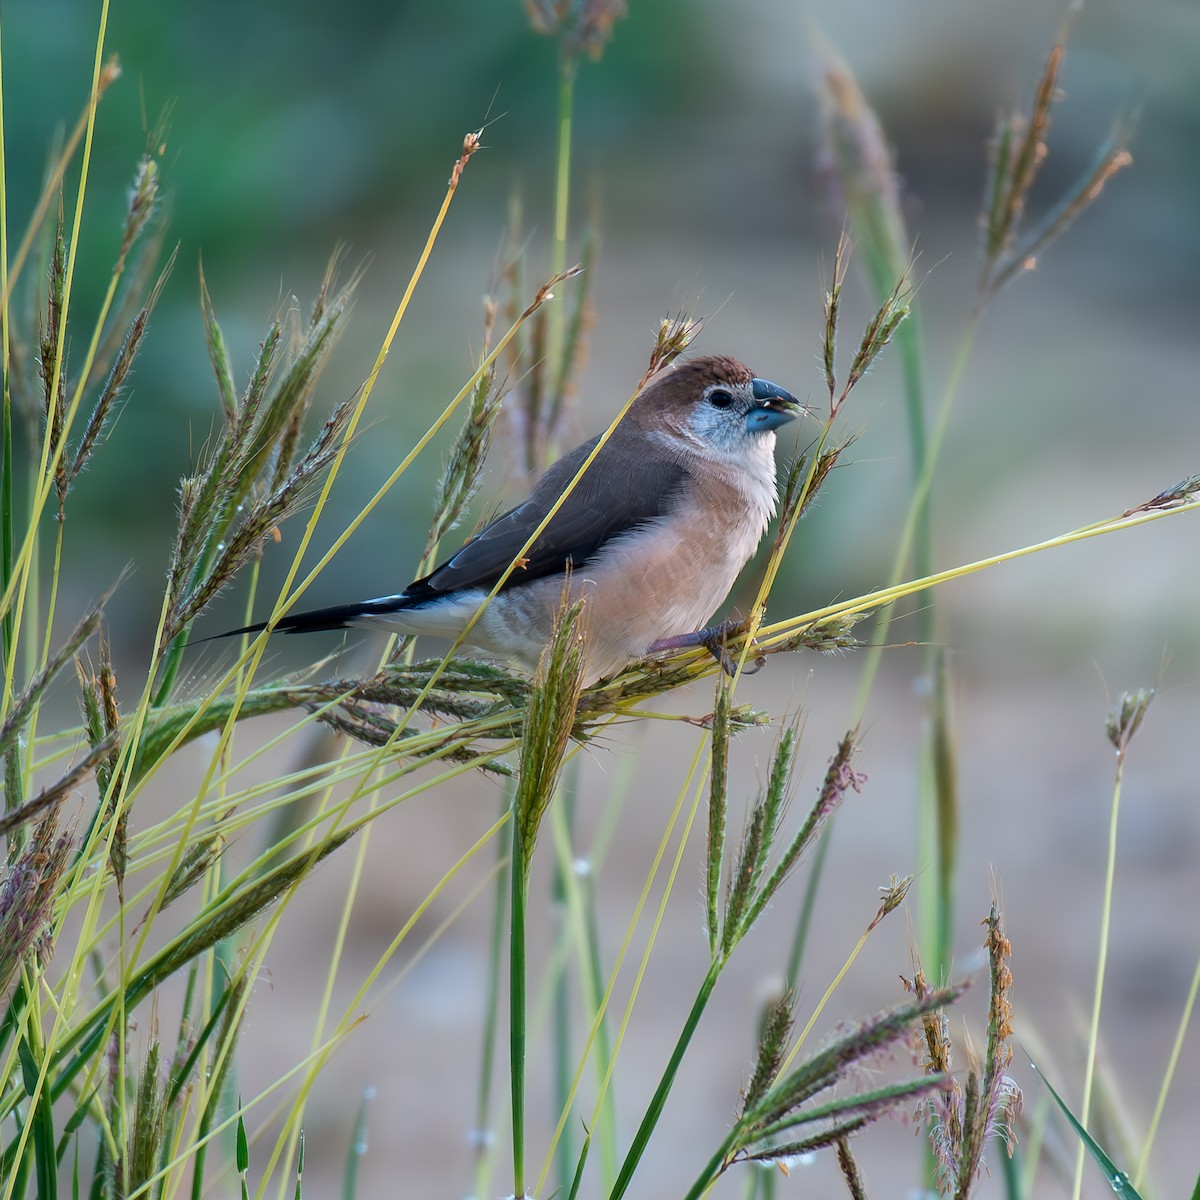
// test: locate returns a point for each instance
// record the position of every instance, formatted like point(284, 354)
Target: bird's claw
point(714, 639)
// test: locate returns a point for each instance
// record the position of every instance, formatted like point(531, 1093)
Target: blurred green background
point(295, 126)
point(291, 128)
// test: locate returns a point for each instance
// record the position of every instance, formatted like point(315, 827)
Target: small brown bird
point(651, 537)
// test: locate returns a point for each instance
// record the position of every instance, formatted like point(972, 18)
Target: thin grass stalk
point(517, 1004)
point(564, 827)
point(40, 1115)
point(605, 1051)
point(53, 450)
point(53, 182)
point(259, 646)
point(695, 775)
point(287, 599)
point(562, 194)
point(867, 177)
point(579, 927)
point(808, 905)
point(470, 146)
point(1120, 733)
point(7, 479)
point(352, 1014)
point(481, 1137)
point(893, 897)
point(21, 568)
point(548, 723)
point(641, 1138)
point(1185, 1018)
point(718, 780)
point(773, 635)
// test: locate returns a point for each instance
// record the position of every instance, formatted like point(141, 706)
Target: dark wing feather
point(590, 516)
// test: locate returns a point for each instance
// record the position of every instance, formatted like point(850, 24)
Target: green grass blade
point(1120, 1183)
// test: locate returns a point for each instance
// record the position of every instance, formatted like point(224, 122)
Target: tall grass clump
point(131, 938)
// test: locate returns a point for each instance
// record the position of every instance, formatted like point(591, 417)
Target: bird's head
point(715, 405)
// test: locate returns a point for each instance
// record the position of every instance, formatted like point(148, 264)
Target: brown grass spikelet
point(1126, 716)
point(471, 143)
point(1184, 492)
point(582, 28)
point(964, 1117)
point(27, 893)
point(1018, 149)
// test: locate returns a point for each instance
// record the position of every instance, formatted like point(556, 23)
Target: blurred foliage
point(292, 127)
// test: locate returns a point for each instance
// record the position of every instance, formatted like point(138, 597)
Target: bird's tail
point(340, 616)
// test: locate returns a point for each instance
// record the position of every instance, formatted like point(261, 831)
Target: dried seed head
point(1126, 717)
point(471, 143)
point(1184, 492)
point(590, 31)
point(27, 894)
point(141, 202)
point(857, 161)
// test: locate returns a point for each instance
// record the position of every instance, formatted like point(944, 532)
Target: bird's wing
point(590, 516)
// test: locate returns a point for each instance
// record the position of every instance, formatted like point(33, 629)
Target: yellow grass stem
point(1185, 1019)
point(18, 583)
point(1089, 1072)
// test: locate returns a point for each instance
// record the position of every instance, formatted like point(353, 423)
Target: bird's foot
point(714, 639)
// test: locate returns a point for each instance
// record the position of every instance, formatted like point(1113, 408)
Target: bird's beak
point(775, 407)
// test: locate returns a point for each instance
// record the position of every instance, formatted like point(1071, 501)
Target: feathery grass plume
point(54, 793)
point(966, 1116)
point(1183, 493)
point(549, 720)
point(775, 1106)
point(849, 1169)
point(801, 486)
point(253, 477)
point(887, 319)
point(27, 893)
point(830, 635)
point(143, 196)
point(460, 477)
point(833, 303)
point(102, 721)
point(27, 700)
point(194, 864)
point(839, 778)
point(51, 353)
point(582, 26)
point(674, 335)
point(747, 896)
point(537, 412)
point(1125, 719)
point(894, 309)
point(105, 406)
point(1018, 150)
point(857, 162)
point(1121, 726)
point(52, 362)
point(137, 1166)
point(718, 805)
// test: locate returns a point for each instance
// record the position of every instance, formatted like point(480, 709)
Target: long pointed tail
point(340, 616)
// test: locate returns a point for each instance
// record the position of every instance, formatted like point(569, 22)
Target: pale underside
point(662, 579)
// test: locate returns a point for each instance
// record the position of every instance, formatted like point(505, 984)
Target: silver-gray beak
point(776, 407)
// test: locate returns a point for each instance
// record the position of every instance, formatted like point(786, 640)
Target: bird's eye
point(720, 398)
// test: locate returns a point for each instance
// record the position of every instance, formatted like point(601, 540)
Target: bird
point(651, 538)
